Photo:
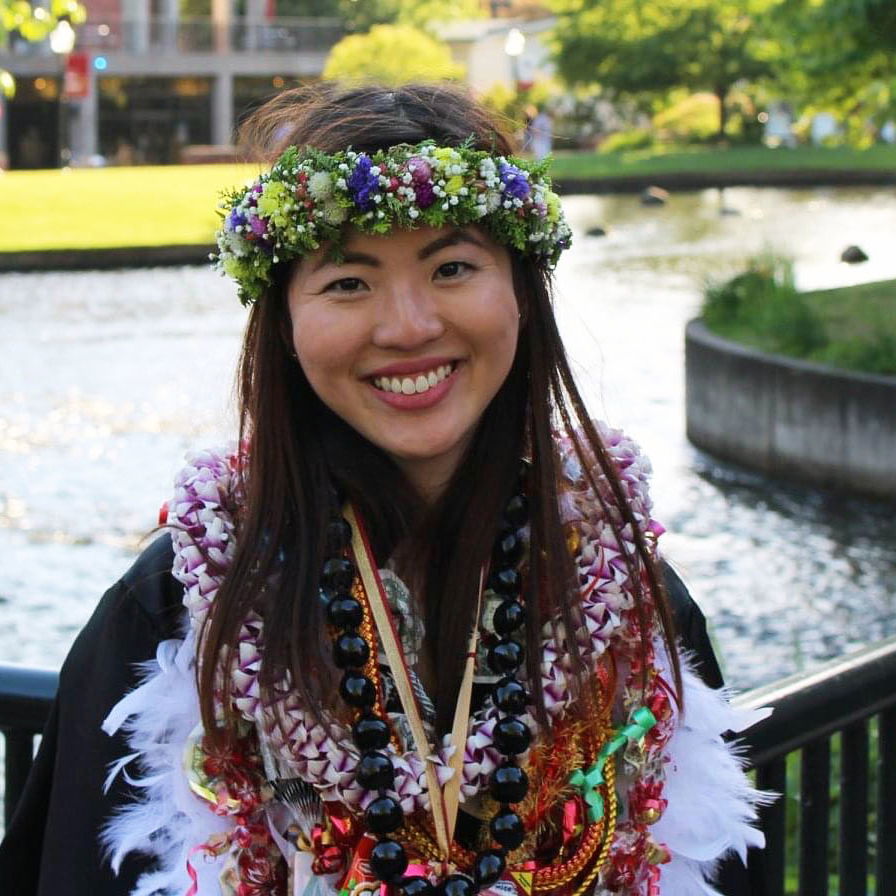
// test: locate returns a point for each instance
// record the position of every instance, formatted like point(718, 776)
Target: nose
point(408, 317)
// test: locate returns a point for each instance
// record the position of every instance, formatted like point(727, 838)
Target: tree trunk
point(721, 93)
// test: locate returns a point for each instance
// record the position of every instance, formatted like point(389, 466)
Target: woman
point(429, 645)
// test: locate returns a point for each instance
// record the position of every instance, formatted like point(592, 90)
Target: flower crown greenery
point(310, 198)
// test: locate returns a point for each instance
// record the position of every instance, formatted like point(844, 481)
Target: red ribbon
point(194, 876)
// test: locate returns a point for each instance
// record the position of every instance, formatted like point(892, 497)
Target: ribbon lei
point(588, 781)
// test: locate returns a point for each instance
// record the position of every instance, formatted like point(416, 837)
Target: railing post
point(773, 776)
point(19, 757)
point(853, 865)
point(814, 809)
point(886, 803)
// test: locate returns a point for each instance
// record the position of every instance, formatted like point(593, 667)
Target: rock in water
point(596, 231)
point(853, 255)
point(654, 196)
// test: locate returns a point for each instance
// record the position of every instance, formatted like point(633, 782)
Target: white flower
point(320, 186)
point(333, 213)
point(233, 242)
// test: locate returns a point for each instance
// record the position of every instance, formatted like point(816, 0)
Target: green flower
point(275, 203)
point(552, 201)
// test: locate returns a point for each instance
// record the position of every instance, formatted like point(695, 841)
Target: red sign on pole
point(76, 83)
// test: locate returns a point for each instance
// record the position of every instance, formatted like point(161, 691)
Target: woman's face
point(408, 340)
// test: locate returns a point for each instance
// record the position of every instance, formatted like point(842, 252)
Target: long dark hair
point(300, 454)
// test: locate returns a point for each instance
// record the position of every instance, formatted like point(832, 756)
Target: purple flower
point(254, 193)
point(259, 228)
point(420, 169)
point(425, 195)
point(515, 180)
point(362, 183)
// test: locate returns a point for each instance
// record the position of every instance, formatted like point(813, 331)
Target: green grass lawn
point(175, 204)
point(107, 207)
point(668, 160)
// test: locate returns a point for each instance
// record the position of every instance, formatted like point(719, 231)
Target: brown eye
point(452, 269)
point(345, 284)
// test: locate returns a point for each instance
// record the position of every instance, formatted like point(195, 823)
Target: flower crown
point(309, 198)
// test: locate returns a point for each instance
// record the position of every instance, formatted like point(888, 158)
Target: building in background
point(144, 81)
point(153, 80)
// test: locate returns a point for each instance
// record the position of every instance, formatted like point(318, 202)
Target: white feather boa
point(168, 820)
point(712, 806)
point(710, 802)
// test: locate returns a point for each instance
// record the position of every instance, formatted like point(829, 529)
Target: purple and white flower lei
point(201, 518)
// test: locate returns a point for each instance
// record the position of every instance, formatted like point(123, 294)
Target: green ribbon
point(589, 780)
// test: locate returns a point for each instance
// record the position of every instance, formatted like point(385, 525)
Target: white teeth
point(407, 385)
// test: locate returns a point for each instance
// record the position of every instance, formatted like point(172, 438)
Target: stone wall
point(789, 418)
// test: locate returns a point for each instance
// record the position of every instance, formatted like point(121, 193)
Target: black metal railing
point(842, 826)
point(25, 698)
point(842, 717)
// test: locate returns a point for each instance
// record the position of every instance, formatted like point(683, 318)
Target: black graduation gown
point(52, 845)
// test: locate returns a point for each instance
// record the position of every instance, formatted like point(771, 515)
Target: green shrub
point(762, 306)
point(623, 141)
point(391, 54)
point(875, 355)
point(692, 119)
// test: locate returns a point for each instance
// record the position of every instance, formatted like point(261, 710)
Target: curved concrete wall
point(790, 418)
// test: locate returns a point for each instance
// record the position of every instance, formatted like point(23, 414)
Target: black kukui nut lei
point(371, 733)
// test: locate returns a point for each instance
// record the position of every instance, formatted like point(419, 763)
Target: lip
point(407, 368)
point(419, 401)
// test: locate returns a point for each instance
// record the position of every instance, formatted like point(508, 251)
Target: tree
point(854, 74)
point(391, 54)
point(636, 48)
point(33, 23)
point(361, 15)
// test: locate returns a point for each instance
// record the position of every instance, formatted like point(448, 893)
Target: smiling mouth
point(416, 384)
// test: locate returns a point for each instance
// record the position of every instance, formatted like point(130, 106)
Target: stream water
point(108, 378)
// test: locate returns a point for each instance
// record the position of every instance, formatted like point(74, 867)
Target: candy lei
point(201, 514)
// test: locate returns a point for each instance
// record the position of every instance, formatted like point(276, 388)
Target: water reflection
point(107, 379)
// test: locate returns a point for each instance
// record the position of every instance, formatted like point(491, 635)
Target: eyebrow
point(450, 239)
point(442, 242)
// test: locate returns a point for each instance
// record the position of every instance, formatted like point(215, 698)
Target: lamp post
point(514, 44)
point(62, 42)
